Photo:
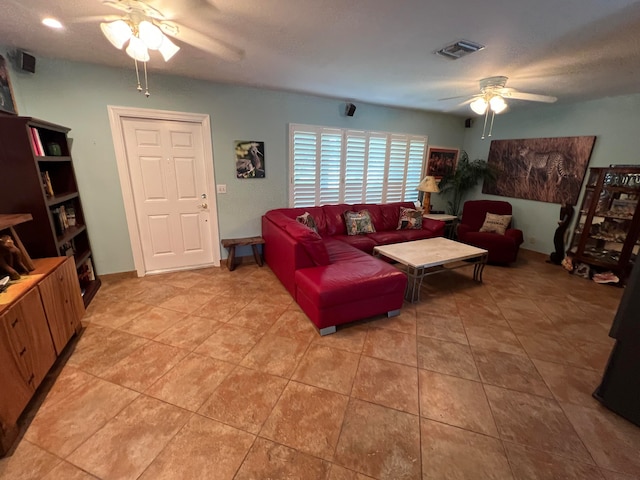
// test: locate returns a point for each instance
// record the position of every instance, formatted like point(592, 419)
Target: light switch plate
point(222, 189)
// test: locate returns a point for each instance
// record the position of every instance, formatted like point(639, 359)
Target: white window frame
point(357, 149)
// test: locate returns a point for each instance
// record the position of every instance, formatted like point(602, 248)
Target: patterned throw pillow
point(409, 219)
point(358, 222)
point(308, 220)
point(495, 223)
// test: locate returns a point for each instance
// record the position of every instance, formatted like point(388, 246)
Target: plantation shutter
point(330, 166)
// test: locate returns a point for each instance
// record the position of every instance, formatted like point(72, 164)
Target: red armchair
point(502, 249)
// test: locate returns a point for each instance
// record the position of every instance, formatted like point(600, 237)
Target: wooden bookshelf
point(29, 149)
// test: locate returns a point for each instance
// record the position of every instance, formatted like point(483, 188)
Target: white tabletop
point(430, 252)
point(440, 216)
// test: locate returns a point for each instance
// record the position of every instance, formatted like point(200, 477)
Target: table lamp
point(428, 186)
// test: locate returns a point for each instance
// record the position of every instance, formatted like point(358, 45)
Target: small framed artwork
point(249, 159)
point(7, 104)
point(441, 161)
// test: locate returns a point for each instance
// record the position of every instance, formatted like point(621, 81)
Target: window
point(331, 165)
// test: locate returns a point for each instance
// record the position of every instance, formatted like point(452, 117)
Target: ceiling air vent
point(459, 49)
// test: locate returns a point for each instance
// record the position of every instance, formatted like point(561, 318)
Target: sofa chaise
point(332, 275)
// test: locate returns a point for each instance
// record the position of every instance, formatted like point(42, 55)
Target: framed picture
point(542, 169)
point(249, 159)
point(441, 161)
point(7, 103)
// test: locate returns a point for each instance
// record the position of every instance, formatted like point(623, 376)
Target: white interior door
point(171, 198)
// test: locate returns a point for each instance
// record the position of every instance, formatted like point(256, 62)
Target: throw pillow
point(410, 219)
point(495, 223)
point(358, 222)
point(308, 220)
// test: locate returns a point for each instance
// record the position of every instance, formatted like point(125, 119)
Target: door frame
point(116, 115)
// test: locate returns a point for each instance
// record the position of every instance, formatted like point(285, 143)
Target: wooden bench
point(231, 243)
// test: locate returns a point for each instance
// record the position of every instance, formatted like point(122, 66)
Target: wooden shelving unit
point(606, 235)
point(39, 178)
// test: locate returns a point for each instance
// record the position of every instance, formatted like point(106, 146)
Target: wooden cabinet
point(27, 353)
point(606, 235)
point(61, 302)
point(38, 178)
point(38, 316)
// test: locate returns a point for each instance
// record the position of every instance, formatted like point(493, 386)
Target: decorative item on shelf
point(46, 184)
point(71, 215)
point(54, 149)
point(427, 186)
point(12, 260)
point(36, 142)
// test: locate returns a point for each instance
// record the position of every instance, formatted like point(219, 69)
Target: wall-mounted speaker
point(468, 122)
point(349, 109)
point(27, 62)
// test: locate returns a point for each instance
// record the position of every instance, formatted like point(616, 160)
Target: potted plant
point(455, 185)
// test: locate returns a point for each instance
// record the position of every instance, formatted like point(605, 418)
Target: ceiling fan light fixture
point(479, 106)
point(497, 104)
point(137, 50)
point(117, 32)
point(168, 49)
point(150, 35)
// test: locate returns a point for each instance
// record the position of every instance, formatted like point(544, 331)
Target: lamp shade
point(168, 49)
point(479, 106)
point(428, 184)
point(150, 35)
point(117, 32)
point(497, 104)
point(137, 50)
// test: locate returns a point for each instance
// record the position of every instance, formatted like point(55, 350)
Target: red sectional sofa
point(332, 275)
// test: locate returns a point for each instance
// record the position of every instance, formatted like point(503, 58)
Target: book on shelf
point(71, 216)
point(37, 143)
point(46, 184)
point(68, 249)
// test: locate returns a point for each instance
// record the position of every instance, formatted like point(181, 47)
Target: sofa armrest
point(435, 227)
point(463, 229)
point(515, 234)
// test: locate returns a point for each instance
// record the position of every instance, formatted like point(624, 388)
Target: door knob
point(204, 195)
point(204, 205)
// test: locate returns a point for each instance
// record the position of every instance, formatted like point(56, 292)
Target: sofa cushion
point(310, 241)
point(495, 223)
point(358, 223)
point(362, 242)
point(334, 220)
point(307, 219)
point(410, 219)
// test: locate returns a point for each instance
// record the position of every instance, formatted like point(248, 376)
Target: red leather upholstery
point(502, 248)
point(353, 285)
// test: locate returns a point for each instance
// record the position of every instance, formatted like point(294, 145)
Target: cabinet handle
point(31, 378)
point(23, 351)
point(15, 322)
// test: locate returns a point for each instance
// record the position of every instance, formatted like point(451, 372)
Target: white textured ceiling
point(376, 51)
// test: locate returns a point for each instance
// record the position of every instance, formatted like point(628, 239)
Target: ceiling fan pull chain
point(493, 115)
point(137, 75)
point(146, 82)
point(484, 127)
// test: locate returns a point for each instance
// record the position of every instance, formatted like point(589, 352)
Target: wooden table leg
point(231, 259)
point(256, 255)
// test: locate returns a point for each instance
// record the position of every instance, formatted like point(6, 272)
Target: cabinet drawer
point(60, 293)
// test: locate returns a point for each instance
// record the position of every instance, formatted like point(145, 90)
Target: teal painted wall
point(76, 95)
point(614, 122)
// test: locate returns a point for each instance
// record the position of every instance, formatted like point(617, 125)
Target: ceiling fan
point(142, 28)
point(492, 98)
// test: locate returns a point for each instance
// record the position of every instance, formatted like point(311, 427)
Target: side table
point(231, 243)
point(449, 220)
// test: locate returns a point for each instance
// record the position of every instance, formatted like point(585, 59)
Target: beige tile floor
point(213, 374)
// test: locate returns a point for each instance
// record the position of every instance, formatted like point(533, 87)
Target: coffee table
point(433, 255)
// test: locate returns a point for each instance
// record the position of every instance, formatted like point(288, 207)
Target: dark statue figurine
point(566, 214)
point(11, 258)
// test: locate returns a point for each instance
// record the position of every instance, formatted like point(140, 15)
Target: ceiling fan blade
point(202, 42)
point(96, 18)
point(460, 96)
point(531, 97)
